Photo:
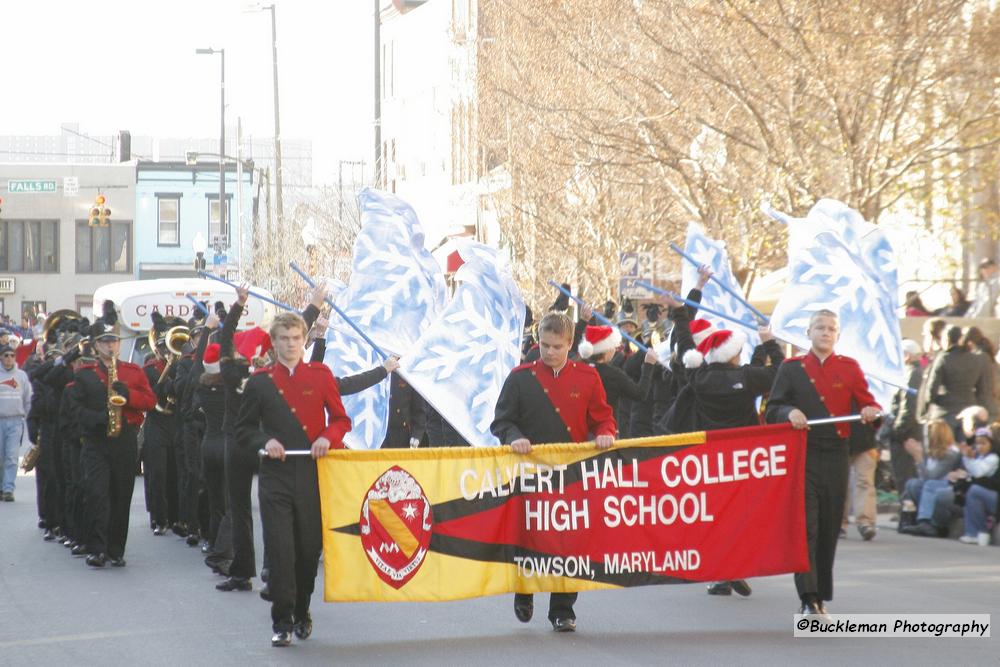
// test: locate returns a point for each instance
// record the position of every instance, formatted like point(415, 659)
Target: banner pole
point(761, 316)
point(204, 274)
point(343, 315)
point(198, 304)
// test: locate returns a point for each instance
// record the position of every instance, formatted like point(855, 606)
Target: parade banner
point(452, 523)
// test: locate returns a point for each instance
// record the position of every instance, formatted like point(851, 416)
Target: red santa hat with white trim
point(719, 347)
point(700, 330)
point(599, 339)
point(252, 343)
point(211, 359)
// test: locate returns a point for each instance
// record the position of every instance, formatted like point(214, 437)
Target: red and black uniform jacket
point(90, 396)
point(835, 387)
point(293, 407)
point(545, 407)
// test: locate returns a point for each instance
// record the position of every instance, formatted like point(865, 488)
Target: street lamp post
point(222, 138)
point(278, 175)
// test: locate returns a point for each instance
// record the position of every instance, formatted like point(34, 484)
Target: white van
point(136, 300)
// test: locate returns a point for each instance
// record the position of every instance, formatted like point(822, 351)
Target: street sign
point(30, 186)
point(71, 186)
point(635, 266)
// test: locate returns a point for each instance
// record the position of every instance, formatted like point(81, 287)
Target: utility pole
point(378, 95)
point(277, 123)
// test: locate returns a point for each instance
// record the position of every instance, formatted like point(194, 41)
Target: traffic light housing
point(100, 214)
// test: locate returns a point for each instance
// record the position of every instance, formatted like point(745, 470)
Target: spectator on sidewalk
point(930, 493)
point(981, 466)
point(915, 306)
point(987, 291)
point(15, 402)
point(958, 307)
point(958, 379)
point(905, 427)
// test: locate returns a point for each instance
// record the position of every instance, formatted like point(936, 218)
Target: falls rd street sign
point(30, 186)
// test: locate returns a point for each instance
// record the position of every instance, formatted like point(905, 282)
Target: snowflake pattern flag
point(462, 361)
point(396, 291)
point(709, 251)
point(840, 262)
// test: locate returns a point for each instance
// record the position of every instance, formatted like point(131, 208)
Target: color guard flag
point(452, 523)
point(459, 364)
point(396, 291)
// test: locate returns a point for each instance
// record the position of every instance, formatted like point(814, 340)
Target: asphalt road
point(162, 609)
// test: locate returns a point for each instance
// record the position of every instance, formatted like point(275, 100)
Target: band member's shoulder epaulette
point(263, 369)
point(317, 365)
point(151, 362)
point(128, 364)
point(87, 365)
point(522, 367)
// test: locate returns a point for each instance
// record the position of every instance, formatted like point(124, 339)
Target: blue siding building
point(175, 203)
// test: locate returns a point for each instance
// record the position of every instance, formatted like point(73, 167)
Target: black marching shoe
point(741, 587)
point(48, 535)
point(41, 523)
point(234, 584)
point(79, 550)
point(564, 624)
point(720, 588)
point(206, 548)
point(813, 607)
point(97, 560)
point(281, 638)
point(179, 529)
point(265, 593)
point(304, 627)
point(192, 539)
point(117, 561)
point(524, 607)
point(159, 530)
point(68, 542)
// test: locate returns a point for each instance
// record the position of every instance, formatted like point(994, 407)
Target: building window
point(29, 246)
point(104, 249)
point(168, 219)
point(215, 231)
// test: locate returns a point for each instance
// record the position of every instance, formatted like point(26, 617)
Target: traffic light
point(99, 213)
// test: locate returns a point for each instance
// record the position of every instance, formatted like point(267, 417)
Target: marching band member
point(821, 384)
point(111, 397)
point(291, 405)
point(553, 400)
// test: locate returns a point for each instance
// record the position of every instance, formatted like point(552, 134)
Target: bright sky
point(63, 57)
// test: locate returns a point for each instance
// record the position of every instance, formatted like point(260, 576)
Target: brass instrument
point(55, 321)
point(115, 401)
point(175, 338)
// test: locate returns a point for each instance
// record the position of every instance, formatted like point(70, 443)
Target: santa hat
point(252, 343)
point(597, 340)
point(211, 359)
point(719, 347)
point(700, 330)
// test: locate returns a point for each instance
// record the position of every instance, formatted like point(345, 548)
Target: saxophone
point(115, 401)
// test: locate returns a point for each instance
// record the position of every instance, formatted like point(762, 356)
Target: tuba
point(115, 401)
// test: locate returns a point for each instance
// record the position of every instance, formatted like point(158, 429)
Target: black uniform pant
point(50, 480)
point(241, 466)
point(76, 526)
point(560, 604)
point(189, 474)
point(288, 493)
point(826, 484)
point(156, 445)
point(109, 472)
point(213, 465)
